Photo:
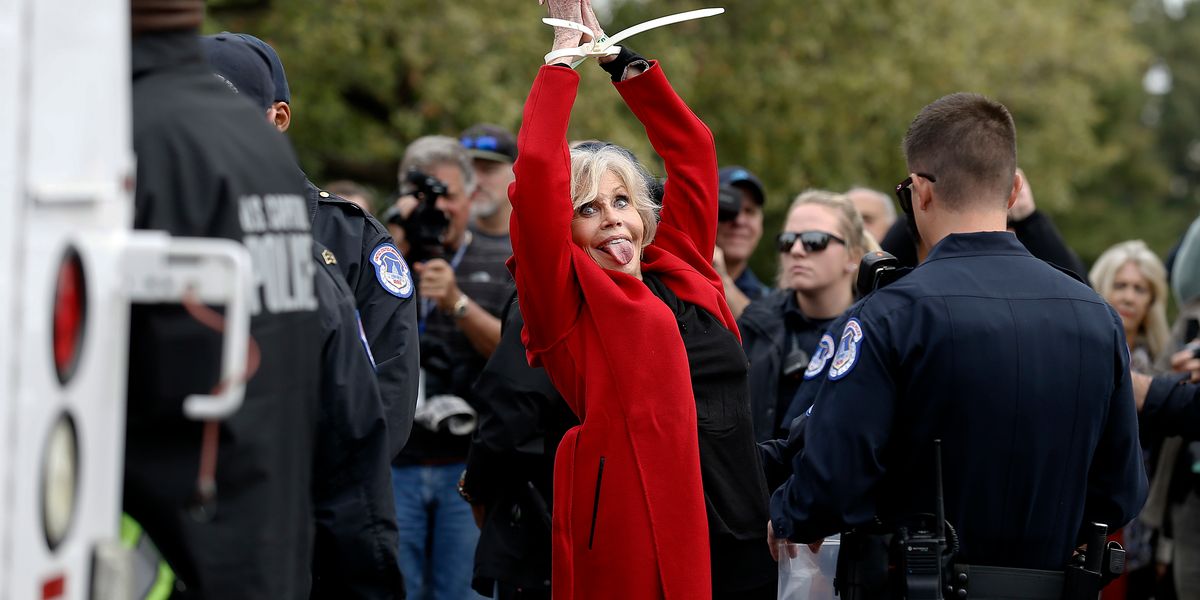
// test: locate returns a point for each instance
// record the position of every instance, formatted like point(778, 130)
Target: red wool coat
point(629, 517)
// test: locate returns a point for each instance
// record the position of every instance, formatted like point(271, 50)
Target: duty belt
point(978, 582)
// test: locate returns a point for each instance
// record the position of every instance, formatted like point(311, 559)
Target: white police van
point(69, 268)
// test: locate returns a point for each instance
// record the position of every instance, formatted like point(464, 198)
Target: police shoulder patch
point(824, 352)
point(391, 270)
point(847, 350)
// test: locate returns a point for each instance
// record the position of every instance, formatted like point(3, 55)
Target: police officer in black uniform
point(355, 554)
point(356, 536)
point(373, 267)
point(1019, 369)
point(209, 166)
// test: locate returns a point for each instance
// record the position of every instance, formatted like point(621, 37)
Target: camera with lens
point(425, 228)
point(729, 204)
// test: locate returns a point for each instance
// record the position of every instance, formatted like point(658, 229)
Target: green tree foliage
point(807, 94)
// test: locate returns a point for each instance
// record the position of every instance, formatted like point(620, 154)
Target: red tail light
point(54, 587)
point(70, 308)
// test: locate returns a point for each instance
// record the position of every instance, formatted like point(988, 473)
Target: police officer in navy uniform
point(356, 543)
point(1020, 370)
point(373, 267)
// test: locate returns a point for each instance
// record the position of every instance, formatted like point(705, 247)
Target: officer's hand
point(438, 283)
point(1185, 361)
point(773, 544)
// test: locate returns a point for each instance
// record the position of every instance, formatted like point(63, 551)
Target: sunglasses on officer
point(904, 192)
point(813, 241)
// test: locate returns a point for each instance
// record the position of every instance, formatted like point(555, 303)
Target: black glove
point(616, 67)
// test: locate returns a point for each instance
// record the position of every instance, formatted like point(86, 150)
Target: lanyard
point(607, 46)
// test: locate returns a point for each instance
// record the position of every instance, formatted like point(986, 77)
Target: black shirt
point(448, 359)
point(735, 489)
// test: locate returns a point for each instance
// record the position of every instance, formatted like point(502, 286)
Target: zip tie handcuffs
point(607, 46)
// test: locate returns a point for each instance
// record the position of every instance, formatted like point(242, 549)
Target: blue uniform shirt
point(1020, 370)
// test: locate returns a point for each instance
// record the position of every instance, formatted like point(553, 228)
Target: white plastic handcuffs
point(607, 46)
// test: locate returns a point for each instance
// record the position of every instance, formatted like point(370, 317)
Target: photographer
point(739, 228)
point(463, 283)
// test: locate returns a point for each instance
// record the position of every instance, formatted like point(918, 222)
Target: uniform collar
point(154, 51)
point(991, 243)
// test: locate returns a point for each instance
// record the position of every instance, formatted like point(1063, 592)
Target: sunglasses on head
point(813, 241)
point(904, 192)
point(480, 142)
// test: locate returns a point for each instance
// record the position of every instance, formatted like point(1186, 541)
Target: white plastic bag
point(808, 576)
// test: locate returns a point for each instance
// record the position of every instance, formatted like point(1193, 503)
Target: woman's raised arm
point(686, 146)
point(541, 220)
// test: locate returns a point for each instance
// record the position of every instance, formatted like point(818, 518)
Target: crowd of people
point(542, 370)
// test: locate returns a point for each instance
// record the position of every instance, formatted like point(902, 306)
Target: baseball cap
point(242, 65)
point(740, 175)
point(489, 142)
point(282, 92)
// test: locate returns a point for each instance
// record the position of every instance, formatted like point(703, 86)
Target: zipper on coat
point(596, 503)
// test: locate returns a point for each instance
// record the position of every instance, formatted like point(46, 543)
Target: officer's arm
point(1172, 407)
point(834, 477)
point(356, 544)
point(777, 455)
point(389, 319)
point(1117, 479)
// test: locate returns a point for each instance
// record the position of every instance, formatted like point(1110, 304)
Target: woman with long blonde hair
point(1133, 280)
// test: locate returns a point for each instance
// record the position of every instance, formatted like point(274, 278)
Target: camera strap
point(607, 46)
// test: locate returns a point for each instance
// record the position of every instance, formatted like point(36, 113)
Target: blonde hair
point(1104, 274)
point(850, 225)
point(850, 222)
point(589, 163)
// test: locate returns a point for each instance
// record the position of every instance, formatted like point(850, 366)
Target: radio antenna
point(940, 515)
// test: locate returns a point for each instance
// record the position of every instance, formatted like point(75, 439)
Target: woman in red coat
point(627, 315)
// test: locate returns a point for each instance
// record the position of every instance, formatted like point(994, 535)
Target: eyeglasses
point(813, 241)
point(904, 192)
point(481, 142)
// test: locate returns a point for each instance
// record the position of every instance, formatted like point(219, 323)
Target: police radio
point(877, 270)
point(922, 551)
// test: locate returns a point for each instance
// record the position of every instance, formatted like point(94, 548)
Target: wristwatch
point(460, 306)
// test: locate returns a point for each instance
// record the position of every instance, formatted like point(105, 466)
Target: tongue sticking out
point(621, 251)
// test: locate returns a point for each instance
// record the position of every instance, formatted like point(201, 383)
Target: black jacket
point(356, 549)
point(773, 329)
point(209, 165)
point(383, 289)
point(522, 418)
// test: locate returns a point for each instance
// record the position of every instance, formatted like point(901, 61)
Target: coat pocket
point(596, 503)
